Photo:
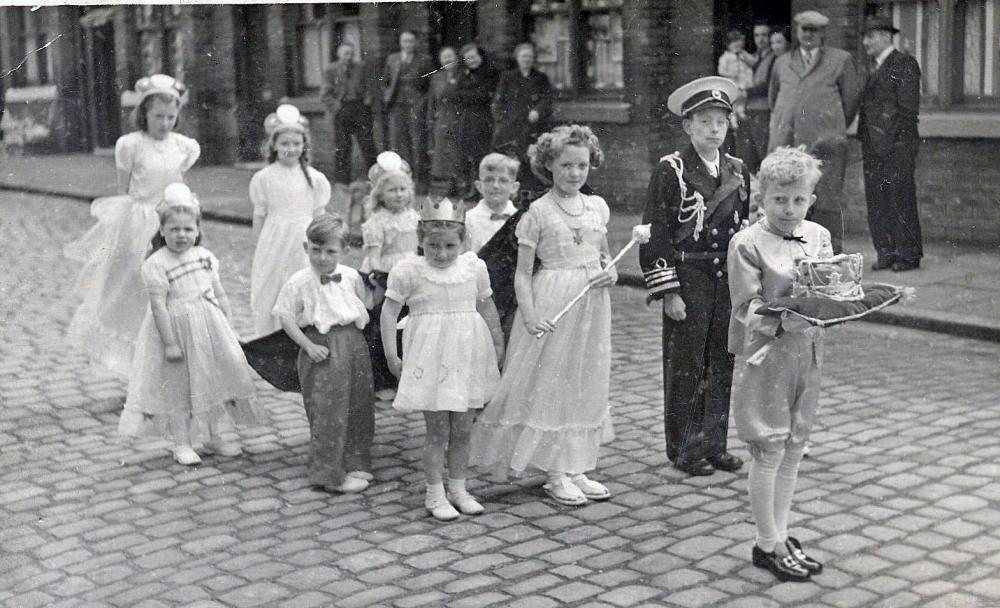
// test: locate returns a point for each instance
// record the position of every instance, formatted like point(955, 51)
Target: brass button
point(719, 274)
point(715, 231)
point(716, 261)
point(715, 245)
point(731, 231)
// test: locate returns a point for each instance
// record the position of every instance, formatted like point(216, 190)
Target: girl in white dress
point(286, 195)
point(189, 380)
point(147, 160)
point(451, 346)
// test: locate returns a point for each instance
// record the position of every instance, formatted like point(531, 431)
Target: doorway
point(250, 54)
point(451, 24)
point(104, 120)
point(743, 14)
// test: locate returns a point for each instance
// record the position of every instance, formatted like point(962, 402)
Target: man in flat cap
point(814, 96)
point(697, 200)
point(887, 127)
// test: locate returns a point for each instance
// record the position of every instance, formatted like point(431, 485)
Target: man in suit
point(887, 126)
point(404, 98)
point(345, 93)
point(813, 94)
point(698, 199)
point(755, 130)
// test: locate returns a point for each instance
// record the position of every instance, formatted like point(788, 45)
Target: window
point(580, 44)
point(161, 40)
point(29, 33)
point(314, 42)
point(955, 43)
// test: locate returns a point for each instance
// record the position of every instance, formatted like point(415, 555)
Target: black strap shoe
point(726, 462)
point(696, 468)
point(785, 567)
point(810, 564)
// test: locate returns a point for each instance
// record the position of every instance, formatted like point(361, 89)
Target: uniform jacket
point(812, 106)
point(390, 74)
point(890, 103)
point(670, 235)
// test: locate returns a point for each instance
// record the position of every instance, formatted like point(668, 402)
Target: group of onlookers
point(443, 117)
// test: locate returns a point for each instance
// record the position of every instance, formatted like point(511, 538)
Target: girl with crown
point(147, 160)
point(550, 411)
point(451, 345)
point(190, 380)
point(286, 195)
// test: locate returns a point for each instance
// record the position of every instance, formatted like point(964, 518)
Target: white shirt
point(711, 165)
point(306, 301)
point(479, 225)
point(809, 56)
point(883, 55)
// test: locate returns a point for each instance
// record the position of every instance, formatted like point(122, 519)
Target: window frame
point(307, 19)
point(165, 24)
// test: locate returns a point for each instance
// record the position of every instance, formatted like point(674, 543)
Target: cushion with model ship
point(828, 291)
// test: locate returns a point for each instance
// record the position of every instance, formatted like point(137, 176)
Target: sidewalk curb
point(927, 320)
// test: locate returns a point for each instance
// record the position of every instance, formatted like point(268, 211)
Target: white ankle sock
point(456, 487)
point(435, 491)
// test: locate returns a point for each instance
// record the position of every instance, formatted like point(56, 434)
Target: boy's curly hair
point(786, 165)
point(550, 145)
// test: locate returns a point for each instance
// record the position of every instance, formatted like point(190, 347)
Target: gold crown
point(444, 210)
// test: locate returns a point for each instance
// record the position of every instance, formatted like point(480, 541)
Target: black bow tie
point(326, 278)
point(794, 238)
point(502, 217)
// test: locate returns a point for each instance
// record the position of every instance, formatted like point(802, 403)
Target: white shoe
point(565, 492)
point(385, 394)
point(361, 475)
point(441, 509)
point(466, 503)
point(228, 449)
point(353, 485)
point(185, 455)
point(590, 488)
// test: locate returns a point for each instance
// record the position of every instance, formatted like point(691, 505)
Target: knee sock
point(761, 482)
point(784, 488)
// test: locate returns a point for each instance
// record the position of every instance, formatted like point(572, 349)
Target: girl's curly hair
point(550, 145)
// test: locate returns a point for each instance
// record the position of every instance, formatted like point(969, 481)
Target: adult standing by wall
point(813, 96)
point(475, 130)
point(522, 107)
point(887, 126)
point(347, 96)
point(754, 130)
point(404, 98)
point(443, 112)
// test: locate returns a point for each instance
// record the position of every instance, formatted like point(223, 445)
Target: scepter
point(640, 235)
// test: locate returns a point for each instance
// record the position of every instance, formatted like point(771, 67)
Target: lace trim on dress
point(463, 270)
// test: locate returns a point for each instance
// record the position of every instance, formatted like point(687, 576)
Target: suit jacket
point(390, 74)
point(890, 104)
point(812, 106)
point(338, 79)
point(669, 234)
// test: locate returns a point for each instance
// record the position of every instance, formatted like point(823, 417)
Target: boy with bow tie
point(497, 183)
point(323, 310)
point(698, 199)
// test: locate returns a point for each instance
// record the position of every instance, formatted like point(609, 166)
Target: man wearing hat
point(887, 127)
point(697, 200)
point(814, 96)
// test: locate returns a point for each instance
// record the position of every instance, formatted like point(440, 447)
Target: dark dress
point(443, 112)
point(475, 129)
point(515, 97)
point(697, 366)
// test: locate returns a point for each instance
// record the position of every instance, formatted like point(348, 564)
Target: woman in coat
point(443, 112)
point(522, 108)
point(474, 94)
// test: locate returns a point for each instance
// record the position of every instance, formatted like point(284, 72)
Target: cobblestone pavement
point(899, 498)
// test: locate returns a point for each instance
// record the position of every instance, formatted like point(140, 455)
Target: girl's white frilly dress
point(288, 202)
point(211, 387)
point(551, 410)
point(449, 362)
point(112, 251)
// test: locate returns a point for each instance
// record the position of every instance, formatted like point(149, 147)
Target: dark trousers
point(828, 211)
point(752, 138)
point(353, 120)
point(407, 136)
point(697, 366)
point(338, 397)
point(381, 376)
point(891, 194)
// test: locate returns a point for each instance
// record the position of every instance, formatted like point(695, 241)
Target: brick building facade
point(613, 63)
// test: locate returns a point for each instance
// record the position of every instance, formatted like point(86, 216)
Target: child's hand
point(316, 352)
point(395, 365)
point(173, 353)
point(674, 307)
point(539, 327)
point(533, 116)
point(606, 278)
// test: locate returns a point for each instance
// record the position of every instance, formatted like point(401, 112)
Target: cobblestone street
point(900, 498)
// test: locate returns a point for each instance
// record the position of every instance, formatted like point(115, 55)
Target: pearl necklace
point(583, 207)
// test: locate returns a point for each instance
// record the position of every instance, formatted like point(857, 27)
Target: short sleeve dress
point(449, 363)
point(112, 251)
point(550, 411)
point(395, 233)
point(288, 203)
point(212, 384)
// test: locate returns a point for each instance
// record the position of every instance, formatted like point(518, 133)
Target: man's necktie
point(326, 278)
point(499, 217)
point(794, 238)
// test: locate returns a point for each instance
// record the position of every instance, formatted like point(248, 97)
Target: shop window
point(29, 34)
point(161, 40)
point(956, 44)
point(580, 45)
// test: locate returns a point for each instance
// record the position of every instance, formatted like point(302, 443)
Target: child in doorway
point(110, 284)
point(551, 410)
point(451, 346)
point(322, 308)
point(189, 379)
point(286, 195)
point(737, 64)
point(774, 402)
